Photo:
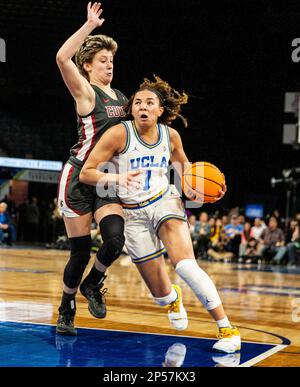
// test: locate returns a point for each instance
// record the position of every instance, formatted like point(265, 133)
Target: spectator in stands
point(252, 251)
point(293, 248)
point(292, 226)
point(192, 222)
point(258, 228)
point(234, 211)
point(202, 231)
point(7, 228)
point(218, 249)
point(234, 231)
point(225, 220)
point(280, 219)
point(241, 220)
point(215, 231)
point(272, 240)
point(9, 201)
point(12, 210)
point(212, 224)
point(245, 238)
point(3, 221)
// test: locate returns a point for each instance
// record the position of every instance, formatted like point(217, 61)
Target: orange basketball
point(202, 181)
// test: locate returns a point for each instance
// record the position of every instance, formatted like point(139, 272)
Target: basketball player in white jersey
point(155, 219)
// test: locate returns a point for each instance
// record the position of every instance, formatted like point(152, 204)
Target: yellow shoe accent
point(175, 305)
point(176, 312)
point(227, 332)
point(229, 340)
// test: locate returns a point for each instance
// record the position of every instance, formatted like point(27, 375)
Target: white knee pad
point(199, 281)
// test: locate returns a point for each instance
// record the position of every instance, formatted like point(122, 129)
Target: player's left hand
point(221, 192)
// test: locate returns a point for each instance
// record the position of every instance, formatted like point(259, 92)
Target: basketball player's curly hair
point(170, 99)
point(90, 46)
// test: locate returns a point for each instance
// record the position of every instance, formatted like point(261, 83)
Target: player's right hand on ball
point(130, 180)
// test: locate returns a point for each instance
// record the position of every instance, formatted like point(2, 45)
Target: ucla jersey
point(151, 159)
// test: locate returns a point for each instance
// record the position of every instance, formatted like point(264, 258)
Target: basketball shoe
point(65, 325)
point(95, 297)
point(175, 355)
point(176, 312)
point(229, 340)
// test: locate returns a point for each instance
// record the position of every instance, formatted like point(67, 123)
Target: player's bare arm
point(179, 157)
point(78, 86)
point(111, 143)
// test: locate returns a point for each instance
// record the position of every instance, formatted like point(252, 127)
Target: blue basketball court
point(36, 345)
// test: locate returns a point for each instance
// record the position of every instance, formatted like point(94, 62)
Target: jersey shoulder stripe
point(167, 130)
point(128, 136)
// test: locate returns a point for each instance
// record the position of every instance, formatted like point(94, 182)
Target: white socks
point(199, 281)
point(224, 323)
point(163, 301)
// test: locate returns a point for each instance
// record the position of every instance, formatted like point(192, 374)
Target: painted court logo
point(2, 50)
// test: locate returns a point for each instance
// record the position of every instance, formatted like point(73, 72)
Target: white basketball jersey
point(151, 159)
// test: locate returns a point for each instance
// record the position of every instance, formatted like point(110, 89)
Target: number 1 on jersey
point(147, 181)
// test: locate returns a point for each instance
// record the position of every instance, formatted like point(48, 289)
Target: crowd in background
point(227, 237)
point(233, 237)
point(31, 222)
point(35, 222)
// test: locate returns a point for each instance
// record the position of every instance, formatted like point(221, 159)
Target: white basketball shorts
point(142, 224)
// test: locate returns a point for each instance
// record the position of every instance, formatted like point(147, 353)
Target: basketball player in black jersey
point(98, 107)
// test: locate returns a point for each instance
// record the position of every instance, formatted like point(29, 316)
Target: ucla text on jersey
point(148, 162)
point(151, 159)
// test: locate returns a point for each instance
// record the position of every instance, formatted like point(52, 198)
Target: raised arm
point(112, 142)
point(78, 86)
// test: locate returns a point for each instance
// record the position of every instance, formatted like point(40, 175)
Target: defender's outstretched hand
point(93, 14)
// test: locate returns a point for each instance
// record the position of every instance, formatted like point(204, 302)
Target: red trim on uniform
point(66, 191)
point(60, 176)
point(83, 136)
point(93, 137)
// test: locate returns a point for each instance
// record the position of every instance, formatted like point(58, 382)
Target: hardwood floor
point(264, 304)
